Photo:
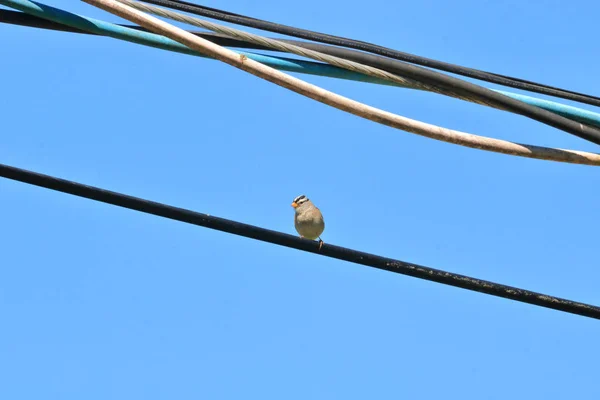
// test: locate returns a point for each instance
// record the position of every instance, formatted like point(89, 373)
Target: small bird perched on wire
point(308, 219)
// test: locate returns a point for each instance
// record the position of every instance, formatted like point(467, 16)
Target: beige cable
point(340, 102)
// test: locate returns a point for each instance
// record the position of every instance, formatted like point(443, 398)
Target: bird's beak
point(294, 204)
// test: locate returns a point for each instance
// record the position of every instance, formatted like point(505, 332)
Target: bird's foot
point(320, 243)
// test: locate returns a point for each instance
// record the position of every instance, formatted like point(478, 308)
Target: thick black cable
point(443, 83)
point(376, 49)
point(283, 239)
point(32, 21)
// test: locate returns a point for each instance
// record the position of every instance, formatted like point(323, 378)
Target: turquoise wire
point(574, 113)
point(281, 63)
point(162, 42)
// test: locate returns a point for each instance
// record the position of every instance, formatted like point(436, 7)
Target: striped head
point(299, 201)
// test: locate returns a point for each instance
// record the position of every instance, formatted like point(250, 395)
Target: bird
point(308, 219)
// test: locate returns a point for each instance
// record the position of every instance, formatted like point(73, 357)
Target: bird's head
point(299, 201)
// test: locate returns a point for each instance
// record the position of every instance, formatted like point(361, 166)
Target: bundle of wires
point(350, 64)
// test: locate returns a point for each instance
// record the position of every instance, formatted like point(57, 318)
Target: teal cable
point(281, 63)
point(153, 40)
point(574, 113)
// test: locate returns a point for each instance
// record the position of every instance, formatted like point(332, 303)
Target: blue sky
point(99, 302)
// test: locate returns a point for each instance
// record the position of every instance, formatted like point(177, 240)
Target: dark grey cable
point(375, 49)
point(283, 239)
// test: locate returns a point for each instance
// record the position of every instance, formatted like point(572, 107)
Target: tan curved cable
point(340, 102)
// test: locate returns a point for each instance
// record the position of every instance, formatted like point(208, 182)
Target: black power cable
point(32, 21)
point(376, 49)
point(443, 83)
point(283, 239)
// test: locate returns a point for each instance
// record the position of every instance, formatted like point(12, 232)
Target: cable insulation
point(283, 239)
